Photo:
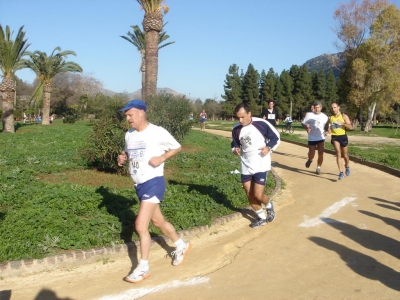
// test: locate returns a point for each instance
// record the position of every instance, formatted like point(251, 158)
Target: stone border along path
point(77, 258)
point(82, 257)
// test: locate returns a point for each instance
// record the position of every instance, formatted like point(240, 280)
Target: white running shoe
point(179, 255)
point(138, 274)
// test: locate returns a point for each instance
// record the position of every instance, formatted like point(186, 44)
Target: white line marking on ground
point(140, 292)
point(322, 218)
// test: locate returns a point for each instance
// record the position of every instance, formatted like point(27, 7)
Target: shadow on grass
point(218, 197)
point(121, 207)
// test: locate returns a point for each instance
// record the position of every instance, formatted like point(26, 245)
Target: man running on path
point(316, 123)
point(253, 139)
point(147, 147)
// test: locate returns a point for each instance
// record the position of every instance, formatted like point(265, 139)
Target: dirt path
point(363, 139)
point(331, 240)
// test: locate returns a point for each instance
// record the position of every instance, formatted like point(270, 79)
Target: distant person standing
point(203, 118)
point(316, 125)
point(271, 114)
point(147, 147)
point(25, 118)
point(253, 139)
point(339, 123)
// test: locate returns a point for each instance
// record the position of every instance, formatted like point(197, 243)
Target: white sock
point(268, 205)
point(179, 244)
point(144, 263)
point(261, 214)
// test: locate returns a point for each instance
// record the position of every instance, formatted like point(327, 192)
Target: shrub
point(171, 113)
point(69, 119)
point(105, 144)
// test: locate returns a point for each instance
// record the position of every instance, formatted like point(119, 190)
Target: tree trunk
point(46, 104)
point(143, 84)
point(151, 63)
point(143, 70)
point(7, 87)
point(371, 112)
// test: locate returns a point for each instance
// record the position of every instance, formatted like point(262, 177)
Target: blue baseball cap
point(138, 104)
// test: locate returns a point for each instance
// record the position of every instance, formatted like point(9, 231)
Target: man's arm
point(347, 122)
point(155, 161)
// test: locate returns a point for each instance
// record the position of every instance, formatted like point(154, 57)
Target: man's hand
point(264, 150)
point(155, 161)
point(122, 158)
point(236, 151)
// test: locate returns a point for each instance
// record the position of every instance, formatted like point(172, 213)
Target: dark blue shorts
point(152, 188)
point(342, 139)
point(259, 178)
point(313, 143)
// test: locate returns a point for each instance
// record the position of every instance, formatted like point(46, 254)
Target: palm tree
point(152, 25)
point(11, 53)
point(138, 39)
point(46, 68)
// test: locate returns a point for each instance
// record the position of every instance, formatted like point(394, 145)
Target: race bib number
point(271, 116)
point(137, 163)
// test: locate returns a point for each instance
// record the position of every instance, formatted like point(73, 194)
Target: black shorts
point(342, 139)
point(314, 143)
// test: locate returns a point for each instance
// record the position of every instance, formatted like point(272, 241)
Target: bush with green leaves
point(69, 119)
point(105, 143)
point(171, 113)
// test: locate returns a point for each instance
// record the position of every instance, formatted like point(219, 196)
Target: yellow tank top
point(337, 129)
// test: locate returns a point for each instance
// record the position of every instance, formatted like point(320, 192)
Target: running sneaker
point(348, 171)
point(270, 212)
point(341, 176)
point(318, 171)
point(179, 255)
point(308, 163)
point(138, 274)
point(259, 222)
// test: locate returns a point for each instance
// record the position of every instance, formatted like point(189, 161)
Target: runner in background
point(338, 124)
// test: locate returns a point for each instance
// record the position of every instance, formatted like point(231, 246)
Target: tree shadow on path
point(362, 264)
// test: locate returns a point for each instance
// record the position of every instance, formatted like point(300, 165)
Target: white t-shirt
point(141, 146)
point(316, 122)
point(250, 138)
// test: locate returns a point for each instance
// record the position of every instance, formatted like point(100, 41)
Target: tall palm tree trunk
point(46, 104)
point(151, 74)
point(143, 70)
point(7, 87)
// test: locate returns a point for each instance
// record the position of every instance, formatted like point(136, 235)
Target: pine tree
point(250, 87)
point(331, 93)
point(233, 90)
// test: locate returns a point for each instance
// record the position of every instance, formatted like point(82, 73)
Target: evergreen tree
point(250, 87)
point(302, 90)
point(233, 90)
point(331, 93)
point(319, 86)
point(268, 91)
point(286, 93)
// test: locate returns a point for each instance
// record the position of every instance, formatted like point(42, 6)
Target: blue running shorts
point(152, 188)
point(259, 178)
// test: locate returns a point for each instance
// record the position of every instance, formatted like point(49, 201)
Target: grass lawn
point(50, 201)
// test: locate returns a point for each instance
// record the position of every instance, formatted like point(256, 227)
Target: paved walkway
point(331, 240)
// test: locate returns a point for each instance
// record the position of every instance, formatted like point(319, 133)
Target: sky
point(209, 35)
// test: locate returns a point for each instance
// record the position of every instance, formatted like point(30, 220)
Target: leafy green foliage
point(69, 120)
point(170, 112)
point(39, 216)
point(105, 143)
